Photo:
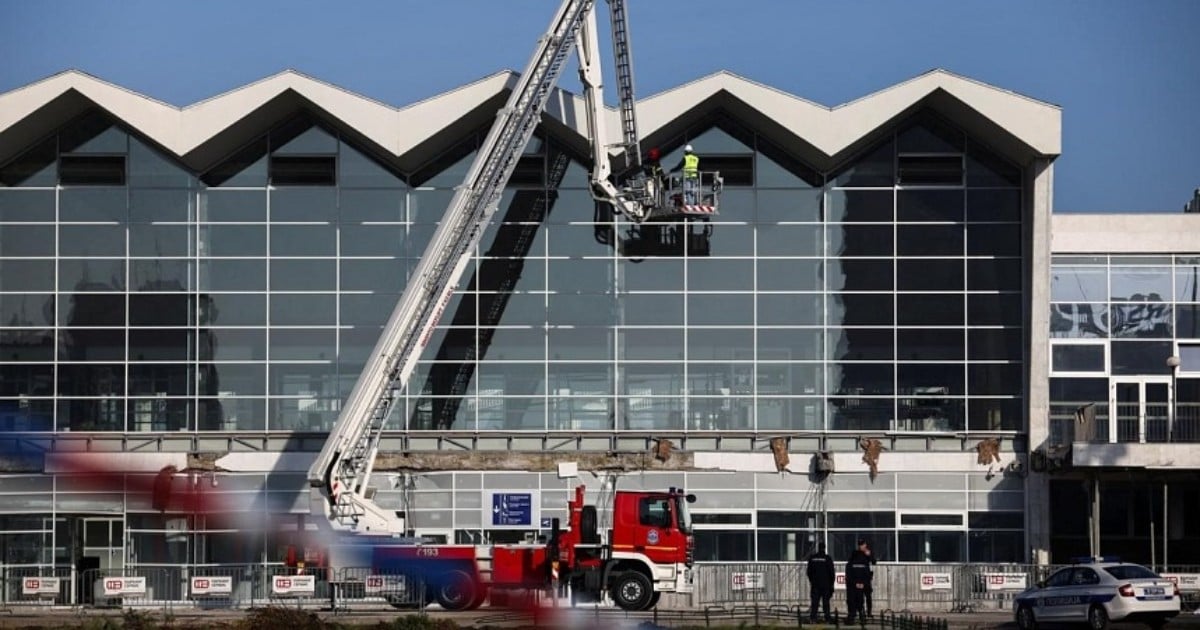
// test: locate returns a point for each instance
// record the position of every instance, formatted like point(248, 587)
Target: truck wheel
point(653, 600)
point(631, 591)
point(455, 591)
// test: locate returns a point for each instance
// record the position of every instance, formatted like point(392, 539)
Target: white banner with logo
point(40, 586)
point(1189, 582)
point(839, 581)
point(375, 584)
point(749, 581)
point(1006, 581)
point(210, 586)
point(294, 585)
point(936, 582)
point(124, 586)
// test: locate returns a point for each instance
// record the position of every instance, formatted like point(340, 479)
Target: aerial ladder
point(339, 478)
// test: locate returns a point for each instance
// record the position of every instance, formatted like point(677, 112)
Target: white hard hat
point(687, 149)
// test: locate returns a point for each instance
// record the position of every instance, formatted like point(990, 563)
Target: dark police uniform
point(820, 580)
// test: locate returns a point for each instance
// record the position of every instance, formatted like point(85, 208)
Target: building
point(199, 287)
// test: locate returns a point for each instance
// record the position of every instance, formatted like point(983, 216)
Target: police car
point(1098, 591)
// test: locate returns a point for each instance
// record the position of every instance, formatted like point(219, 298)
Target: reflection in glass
point(1078, 284)
point(860, 309)
point(859, 240)
point(995, 344)
point(861, 344)
point(929, 205)
point(860, 414)
point(105, 414)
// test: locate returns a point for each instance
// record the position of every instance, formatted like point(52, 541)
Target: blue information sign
point(512, 509)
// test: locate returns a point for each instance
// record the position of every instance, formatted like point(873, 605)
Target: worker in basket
point(691, 175)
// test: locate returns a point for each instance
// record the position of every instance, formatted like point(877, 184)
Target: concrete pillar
point(1039, 201)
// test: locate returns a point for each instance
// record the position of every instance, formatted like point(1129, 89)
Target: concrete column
point(1039, 201)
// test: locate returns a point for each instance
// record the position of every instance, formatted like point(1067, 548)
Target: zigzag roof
point(202, 133)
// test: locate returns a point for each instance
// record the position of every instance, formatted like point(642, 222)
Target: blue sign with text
point(512, 509)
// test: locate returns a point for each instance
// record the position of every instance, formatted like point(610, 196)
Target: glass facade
point(882, 296)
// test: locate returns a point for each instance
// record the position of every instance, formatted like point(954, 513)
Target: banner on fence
point(1185, 581)
point(294, 585)
point(839, 581)
point(124, 586)
point(1006, 581)
point(40, 586)
point(749, 581)
point(210, 586)
point(376, 584)
point(935, 582)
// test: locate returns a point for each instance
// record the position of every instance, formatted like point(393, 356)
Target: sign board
point(210, 586)
point(124, 586)
point(294, 585)
point(512, 509)
point(1187, 582)
point(935, 582)
point(40, 586)
point(1005, 581)
point(375, 584)
point(749, 581)
point(839, 581)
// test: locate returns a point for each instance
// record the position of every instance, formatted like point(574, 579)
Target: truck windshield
point(684, 516)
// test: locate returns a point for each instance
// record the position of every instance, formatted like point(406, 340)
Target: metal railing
point(1132, 426)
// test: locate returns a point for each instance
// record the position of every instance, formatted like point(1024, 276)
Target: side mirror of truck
point(691, 498)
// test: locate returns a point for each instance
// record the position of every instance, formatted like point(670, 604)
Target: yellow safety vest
point(691, 165)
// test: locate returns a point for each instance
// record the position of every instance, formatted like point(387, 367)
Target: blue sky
point(1127, 74)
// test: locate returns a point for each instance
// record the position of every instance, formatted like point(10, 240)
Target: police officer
point(820, 581)
point(870, 583)
point(858, 582)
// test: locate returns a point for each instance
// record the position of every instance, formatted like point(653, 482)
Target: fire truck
point(647, 549)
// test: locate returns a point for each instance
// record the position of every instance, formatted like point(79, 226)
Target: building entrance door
point(1140, 409)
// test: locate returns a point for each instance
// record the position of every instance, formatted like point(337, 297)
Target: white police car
point(1099, 591)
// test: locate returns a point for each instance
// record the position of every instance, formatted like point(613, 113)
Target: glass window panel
point(1189, 359)
point(933, 414)
point(994, 309)
point(161, 379)
point(567, 309)
point(312, 141)
point(233, 344)
point(857, 309)
point(581, 379)
point(302, 170)
point(1078, 284)
point(19, 309)
point(301, 414)
point(1140, 284)
point(160, 274)
point(303, 240)
point(929, 379)
point(160, 309)
point(996, 414)
point(790, 343)
point(1078, 390)
point(357, 170)
point(1000, 274)
point(996, 547)
point(930, 135)
point(1077, 358)
point(929, 205)
point(799, 309)
point(246, 168)
point(790, 240)
point(171, 205)
point(302, 345)
point(876, 167)
point(1187, 288)
point(650, 344)
point(842, 544)
point(993, 240)
point(582, 344)
point(91, 414)
point(720, 343)
point(233, 275)
point(790, 378)
point(727, 240)
point(652, 309)
point(859, 275)
point(233, 240)
point(1187, 321)
point(796, 414)
point(1078, 321)
point(789, 205)
point(85, 309)
point(160, 240)
point(298, 380)
point(91, 240)
point(788, 274)
point(930, 344)
point(929, 309)
point(366, 309)
point(25, 275)
point(991, 379)
point(861, 344)
point(1147, 320)
point(148, 168)
point(303, 275)
point(732, 309)
point(932, 546)
point(873, 379)
point(1140, 357)
point(992, 205)
point(161, 344)
point(651, 274)
point(370, 240)
point(233, 310)
point(29, 240)
point(513, 344)
point(929, 170)
point(233, 205)
point(714, 274)
point(860, 414)
point(381, 275)
point(26, 205)
point(82, 344)
point(945, 274)
point(859, 206)
point(38, 166)
point(1003, 344)
point(109, 205)
point(91, 275)
point(91, 380)
point(929, 240)
point(304, 203)
point(289, 309)
point(860, 240)
point(93, 132)
point(574, 275)
point(987, 169)
point(26, 345)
